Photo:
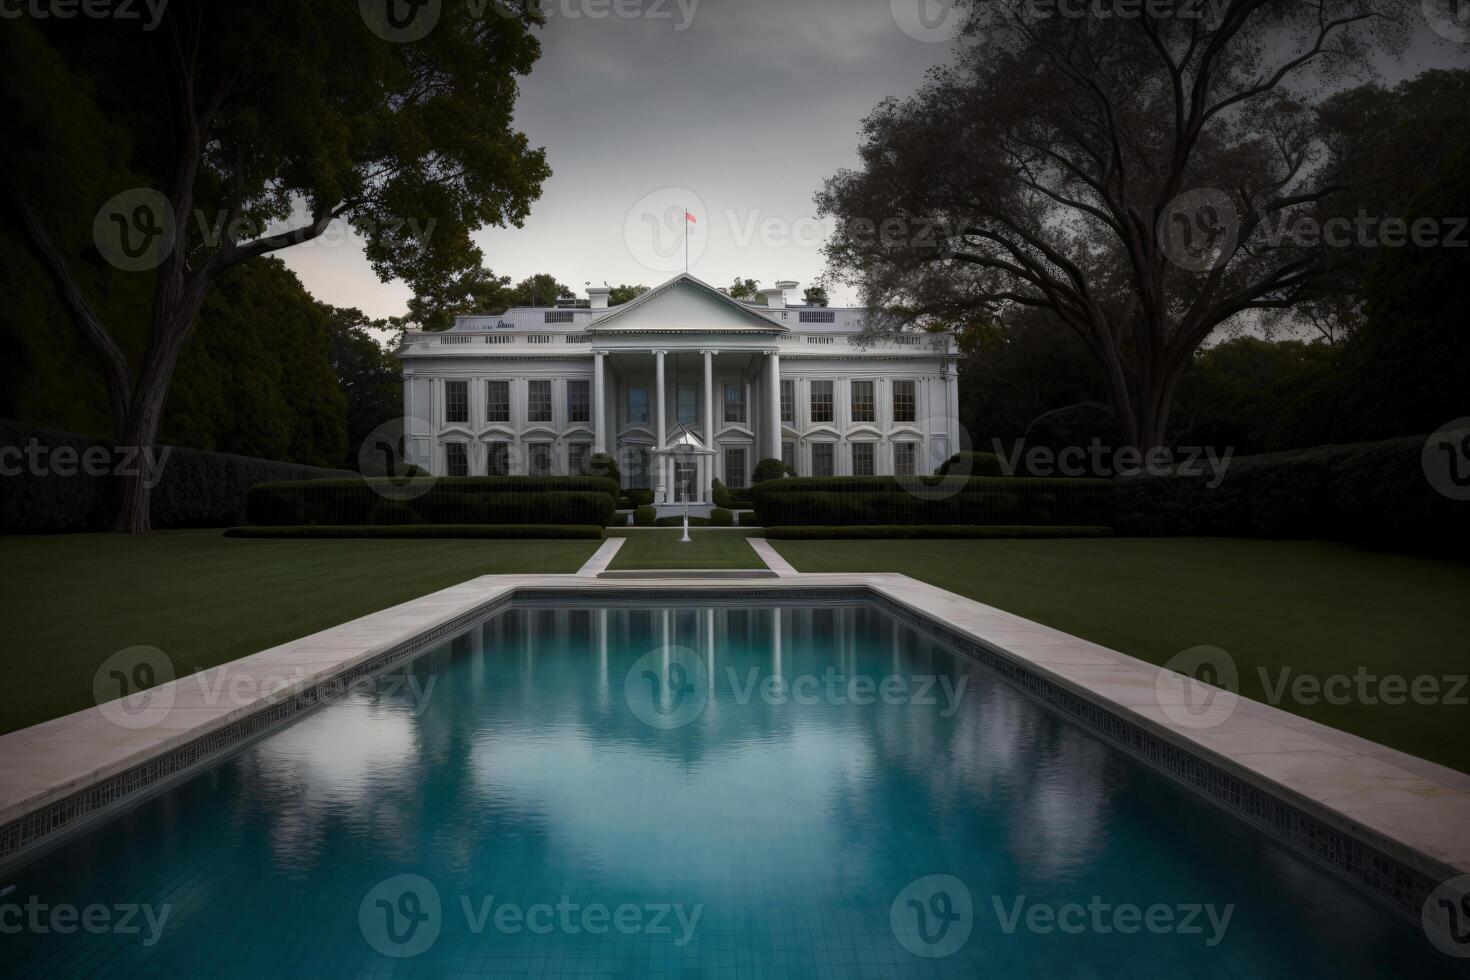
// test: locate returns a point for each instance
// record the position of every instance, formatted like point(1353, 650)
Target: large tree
point(1129, 175)
point(249, 128)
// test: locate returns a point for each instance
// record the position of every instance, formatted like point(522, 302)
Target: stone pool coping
point(1406, 809)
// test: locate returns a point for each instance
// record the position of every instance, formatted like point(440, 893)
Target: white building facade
point(683, 386)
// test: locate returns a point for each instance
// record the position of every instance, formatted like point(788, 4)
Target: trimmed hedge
point(720, 517)
point(559, 531)
point(1373, 493)
point(877, 531)
point(194, 489)
point(888, 500)
point(748, 518)
point(645, 515)
point(444, 500)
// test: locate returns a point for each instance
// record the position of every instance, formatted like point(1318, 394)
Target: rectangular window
point(538, 401)
point(823, 456)
point(456, 401)
point(788, 455)
point(821, 401)
point(735, 403)
point(637, 406)
point(497, 401)
point(579, 401)
point(905, 454)
point(735, 466)
point(538, 458)
point(816, 316)
point(497, 461)
point(862, 402)
point(788, 401)
point(903, 401)
point(559, 316)
point(456, 459)
point(636, 464)
point(577, 454)
point(862, 459)
point(688, 404)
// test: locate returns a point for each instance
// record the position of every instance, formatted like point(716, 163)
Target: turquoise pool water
point(576, 793)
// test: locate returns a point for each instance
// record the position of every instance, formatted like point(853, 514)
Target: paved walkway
point(772, 558)
point(601, 558)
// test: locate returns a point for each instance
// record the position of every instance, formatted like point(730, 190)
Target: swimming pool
point(631, 792)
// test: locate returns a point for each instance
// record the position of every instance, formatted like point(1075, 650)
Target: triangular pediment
point(685, 304)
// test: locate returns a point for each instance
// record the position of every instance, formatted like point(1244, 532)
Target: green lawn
point(1310, 607)
point(661, 548)
point(72, 600)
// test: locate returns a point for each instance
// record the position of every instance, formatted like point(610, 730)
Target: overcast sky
point(738, 109)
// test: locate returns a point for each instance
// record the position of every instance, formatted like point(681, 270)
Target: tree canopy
point(1127, 175)
point(244, 129)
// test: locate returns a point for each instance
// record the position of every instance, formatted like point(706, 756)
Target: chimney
point(597, 296)
point(776, 295)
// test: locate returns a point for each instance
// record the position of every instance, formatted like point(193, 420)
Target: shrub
point(748, 518)
point(887, 500)
point(720, 517)
point(445, 500)
point(679, 521)
point(641, 498)
point(563, 531)
point(1373, 493)
point(194, 489)
point(770, 469)
point(603, 465)
point(719, 494)
point(910, 531)
point(625, 503)
point(645, 516)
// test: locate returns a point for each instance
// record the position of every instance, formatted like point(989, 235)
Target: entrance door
point(684, 476)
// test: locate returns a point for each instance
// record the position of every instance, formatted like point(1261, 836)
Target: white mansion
point(683, 385)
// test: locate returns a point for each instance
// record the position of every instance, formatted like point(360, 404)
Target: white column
point(707, 475)
point(599, 403)
point(773, 405)
point(661, 432)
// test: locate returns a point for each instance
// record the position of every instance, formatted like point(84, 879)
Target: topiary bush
point(645, 516)
point(603, 465)
point(552, 531)
point(640, 498)
point(445, 500)
point(770, 469)
point(887, 500)
point(748, 518)
point(720, 517)
point(1374, 493)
